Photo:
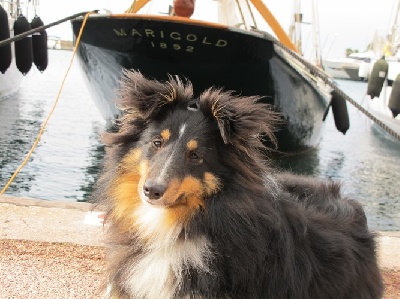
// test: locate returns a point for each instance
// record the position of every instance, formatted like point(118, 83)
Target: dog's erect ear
point(145, 97)
point(241, 120)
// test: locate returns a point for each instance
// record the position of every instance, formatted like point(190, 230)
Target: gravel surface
point(40, 270)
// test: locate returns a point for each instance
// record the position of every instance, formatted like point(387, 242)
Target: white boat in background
point(356, 66)
point(394, 68)
point(383, 98)
point(379, 108)
point(383, 92)
point(54, 42)
point(391, 50)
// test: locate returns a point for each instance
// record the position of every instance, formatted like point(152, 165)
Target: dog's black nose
point(153, 190)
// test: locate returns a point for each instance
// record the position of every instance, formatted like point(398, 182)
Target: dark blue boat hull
point(247, 62)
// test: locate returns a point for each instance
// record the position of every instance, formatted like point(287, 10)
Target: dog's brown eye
point(157, 143)
point(194, 156)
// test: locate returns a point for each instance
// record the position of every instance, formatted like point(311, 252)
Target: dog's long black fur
point(196, 212)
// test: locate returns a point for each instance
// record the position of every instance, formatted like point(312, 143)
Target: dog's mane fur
point(262, 235)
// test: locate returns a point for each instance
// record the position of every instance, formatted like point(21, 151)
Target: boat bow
point(249, 62)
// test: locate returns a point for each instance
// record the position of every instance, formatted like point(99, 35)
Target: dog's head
point(175, 151)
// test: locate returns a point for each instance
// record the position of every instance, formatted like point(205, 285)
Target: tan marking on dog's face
point(123, 191)
point(143, 172)
point(125, 200)
point(143, 168)
point(171, 194)
point(132, 158)
point(192, 145)
point(190, 192)
point(182, 198)
point(165, 134)
point(211, 183)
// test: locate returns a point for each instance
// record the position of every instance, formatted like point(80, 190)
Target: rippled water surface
point(66, 162)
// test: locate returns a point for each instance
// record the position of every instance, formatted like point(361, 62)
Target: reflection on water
point(66, 163)
point(97, 152)
point(365, 161)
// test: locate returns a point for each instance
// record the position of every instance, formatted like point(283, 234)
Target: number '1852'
point(176, 47)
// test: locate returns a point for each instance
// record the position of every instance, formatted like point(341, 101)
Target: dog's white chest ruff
point(159, 272)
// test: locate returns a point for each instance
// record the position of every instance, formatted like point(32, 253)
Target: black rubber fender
point(39, 45)
point(23, 47)
point(340, 113)
point(378, 75)
point(5, 51)
point(394, 100)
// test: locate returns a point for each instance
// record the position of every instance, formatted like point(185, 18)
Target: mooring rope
point(319, 73)
point(41, 28)
point(53, 107)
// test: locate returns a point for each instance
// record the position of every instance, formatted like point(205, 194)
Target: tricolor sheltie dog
point(196, 212)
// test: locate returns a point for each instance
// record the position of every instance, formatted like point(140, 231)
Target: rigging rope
point(241, 14)
point(322, 75)
point(251, 13)
point(30, 32)
point(53, 107)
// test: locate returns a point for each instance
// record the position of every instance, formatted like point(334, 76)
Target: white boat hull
point(378, 107)
point(340, 69)
point(10, 81)
point(355, 67)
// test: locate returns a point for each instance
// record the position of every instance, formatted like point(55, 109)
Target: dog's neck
point(165, 256)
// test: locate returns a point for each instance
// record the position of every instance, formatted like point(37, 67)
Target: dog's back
point(196, 212)
point(342, 249)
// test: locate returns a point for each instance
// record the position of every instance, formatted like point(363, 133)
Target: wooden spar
point(274, 24)
point(262, 9)
point(139, 4)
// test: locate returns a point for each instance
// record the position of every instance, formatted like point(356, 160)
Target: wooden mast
point(273, 23)
point(137, 5)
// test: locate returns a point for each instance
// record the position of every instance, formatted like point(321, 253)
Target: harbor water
point(67, 160)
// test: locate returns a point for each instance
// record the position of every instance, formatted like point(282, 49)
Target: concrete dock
point(72, 223)
point(49, 221)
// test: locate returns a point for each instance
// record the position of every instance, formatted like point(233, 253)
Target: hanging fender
point(394, 100)
point(378, 75)
point(340, 113)
point(23, 47)
point(5, 51)
point(39, 45)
